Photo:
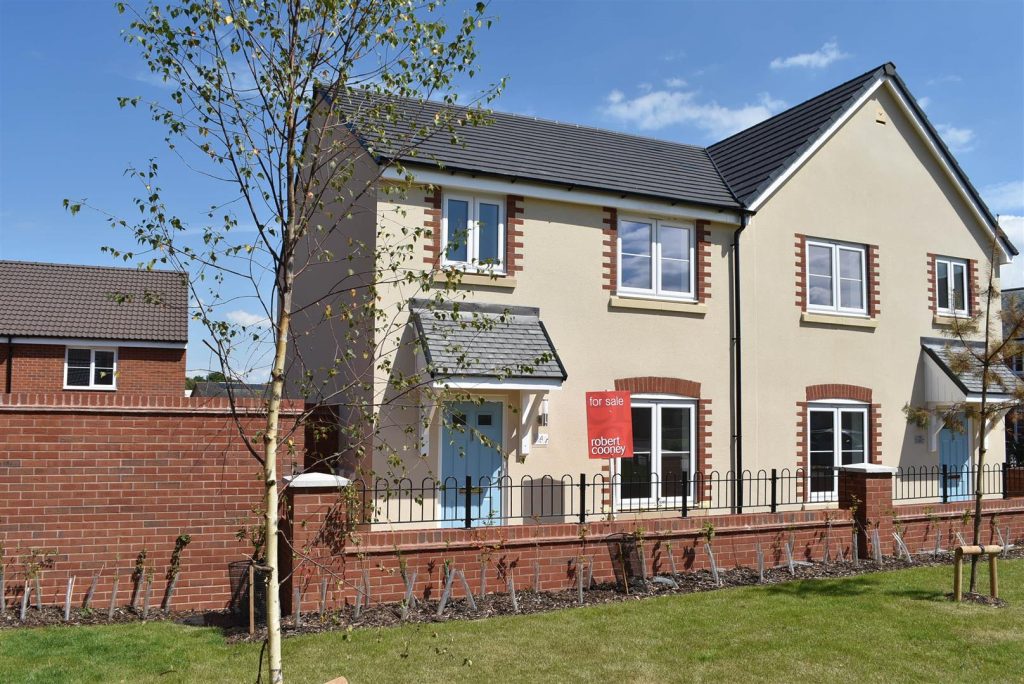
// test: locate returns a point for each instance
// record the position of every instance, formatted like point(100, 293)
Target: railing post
point(775, 482)
point(945, 483)
point(583, 498)
point(739, 492)
point(1003, 477)
point(686, 492)
point(469, 501)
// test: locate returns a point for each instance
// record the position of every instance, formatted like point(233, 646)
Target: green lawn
point(882, 627)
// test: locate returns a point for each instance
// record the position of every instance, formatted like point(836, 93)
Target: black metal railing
point(945, 483)
point(468, 502)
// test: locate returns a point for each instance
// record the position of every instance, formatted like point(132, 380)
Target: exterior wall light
point(542, 415)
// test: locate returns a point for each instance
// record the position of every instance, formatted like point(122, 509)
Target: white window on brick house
point(656, 258)
point(663, 454)
point(838, 435)
point(836, 277)
point(473, 231)
point(951, 287)
point(90, 368)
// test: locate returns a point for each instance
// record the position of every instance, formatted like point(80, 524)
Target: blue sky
point(691, 72)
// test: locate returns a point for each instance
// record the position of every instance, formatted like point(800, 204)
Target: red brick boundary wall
point(96, 478)
point(321, 552)
point(326, 550)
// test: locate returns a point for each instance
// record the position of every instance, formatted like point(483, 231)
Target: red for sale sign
point(609, 425)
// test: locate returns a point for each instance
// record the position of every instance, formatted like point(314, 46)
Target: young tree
point(982, 345)
point(246, 107)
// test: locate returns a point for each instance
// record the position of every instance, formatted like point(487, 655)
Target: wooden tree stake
point(252, 599)
point(113, 597)
point(67, 598)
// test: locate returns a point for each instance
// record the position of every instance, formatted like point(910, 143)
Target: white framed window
point(656, 257)
point(663, 452)
point(90, 368)
point(473, 233)
point(836, 277)
point(837, 435)
point(951, 287)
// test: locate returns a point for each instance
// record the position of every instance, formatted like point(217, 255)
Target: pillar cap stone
point(316, 481)
point(868, 468)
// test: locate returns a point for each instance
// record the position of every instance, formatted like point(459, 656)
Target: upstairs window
point(88, 368)
point(836, 278)
point(474, 233)
point(951, 287)
point(656, 258)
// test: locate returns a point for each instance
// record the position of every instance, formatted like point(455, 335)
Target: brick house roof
point(92, 302)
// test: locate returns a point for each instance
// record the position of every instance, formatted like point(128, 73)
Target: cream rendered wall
point(871, 184)
point(562, 274)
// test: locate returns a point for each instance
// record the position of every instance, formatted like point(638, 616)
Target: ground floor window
point(838, 436)
point(662, 454)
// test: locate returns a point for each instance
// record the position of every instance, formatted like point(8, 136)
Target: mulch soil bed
point(459, 608)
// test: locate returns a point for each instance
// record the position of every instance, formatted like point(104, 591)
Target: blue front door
point(471, 438)
point(955, 455)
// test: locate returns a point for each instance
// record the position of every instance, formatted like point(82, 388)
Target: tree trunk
point(270, 478)
point(982, 430)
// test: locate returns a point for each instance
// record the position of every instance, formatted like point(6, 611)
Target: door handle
point(473, 490)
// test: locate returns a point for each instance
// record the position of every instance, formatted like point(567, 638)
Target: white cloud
point(1005, 198)
point(951, 78)
point(819, 59)
point(247, 319)
point(673, 55)
point(661, 108)
point(924, 102)
point(675, 83)
point(957, 139)
point(1012, 274)
point(645, 87)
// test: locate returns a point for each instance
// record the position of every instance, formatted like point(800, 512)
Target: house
point(1014, 422)
point(89, 329)
point(771, 303)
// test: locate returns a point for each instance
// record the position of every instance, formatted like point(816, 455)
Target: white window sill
point(947, 319)
point(478, 280)
point(690, 308)
point(83, 388)
point(838, 320)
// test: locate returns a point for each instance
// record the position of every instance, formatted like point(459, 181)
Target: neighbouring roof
point(243, 390)
point(485, 341)
point(527, 148)
point(68, 301)
point(942, 352)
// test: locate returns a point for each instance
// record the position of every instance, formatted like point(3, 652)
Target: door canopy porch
point(477, 346)
point(946, 382)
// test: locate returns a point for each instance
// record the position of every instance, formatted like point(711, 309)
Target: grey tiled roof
point(247, 390)
point(63, 300)
point(527, 148)
point(751, 159)
point(942, 352)
point(485, 341)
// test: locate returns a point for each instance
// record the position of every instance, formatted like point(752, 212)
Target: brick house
point(102, 455)
point(88, 329)
point(617, 258)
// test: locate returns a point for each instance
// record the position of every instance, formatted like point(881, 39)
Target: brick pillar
point(867, 487)
point(1014, 481)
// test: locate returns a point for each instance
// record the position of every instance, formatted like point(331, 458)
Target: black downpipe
point(10, 363)
point(738, 360)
